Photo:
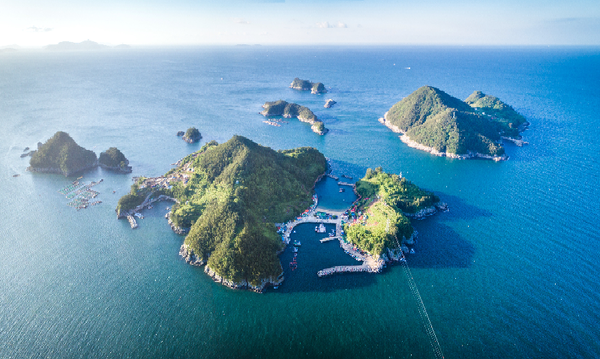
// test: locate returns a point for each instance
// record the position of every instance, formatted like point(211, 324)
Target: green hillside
point(435, 119)
point(384, 198)
point(60, 154)
point(231, 195)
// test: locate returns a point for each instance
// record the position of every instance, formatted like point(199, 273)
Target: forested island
point(433, 121)
point(304, 85)
point(192, 135)
point(290, 110)
point(385, 201)
point(114, 160)
point(228, 196)
point(60, 154)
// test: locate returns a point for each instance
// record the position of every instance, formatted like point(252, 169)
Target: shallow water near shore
point(510, 271)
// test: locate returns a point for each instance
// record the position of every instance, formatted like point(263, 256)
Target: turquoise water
point(510, 271)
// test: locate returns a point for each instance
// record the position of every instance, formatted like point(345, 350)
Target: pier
point(327, 239)
point(333, 176)
point(345, 184)
point(345, 269)
point(132, 222)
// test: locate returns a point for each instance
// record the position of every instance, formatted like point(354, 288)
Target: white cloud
point(327, 25)
point(241, 21)
point(38, 29)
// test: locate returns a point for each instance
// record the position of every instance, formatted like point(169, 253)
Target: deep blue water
point(510, 271)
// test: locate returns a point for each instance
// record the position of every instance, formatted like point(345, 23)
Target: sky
point(36, 23)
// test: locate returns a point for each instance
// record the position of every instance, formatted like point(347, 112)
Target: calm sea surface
point(511, 270)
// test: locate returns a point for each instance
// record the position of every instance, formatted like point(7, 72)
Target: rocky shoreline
point(118, 169)
point(410, 143)
point(59, 171)
point(428, 211)
point(190, 258)
point(313, 123)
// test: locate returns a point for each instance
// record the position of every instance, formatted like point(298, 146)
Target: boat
point(297, 243)
point(295, 249)
point(342, 190)
point(412, 251)
point(322, 228)
point(316, 228)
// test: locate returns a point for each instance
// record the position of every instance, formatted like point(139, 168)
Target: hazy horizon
point(37, 23)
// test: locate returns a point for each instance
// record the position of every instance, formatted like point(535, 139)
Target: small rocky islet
point(305, 85)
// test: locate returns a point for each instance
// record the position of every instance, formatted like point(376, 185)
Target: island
point(304, 85)
point(227, 198)
point(114, 160)
point(60, 154)
point(87, 45)
point(192, 135)
point(329, 103)
point(433, 121)
point(378, 223)
point(290, 110)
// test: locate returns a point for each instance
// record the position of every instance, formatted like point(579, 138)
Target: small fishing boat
point(297, 243)
point(295, 249)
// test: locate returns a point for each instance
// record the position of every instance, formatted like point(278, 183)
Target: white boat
point(322, 228)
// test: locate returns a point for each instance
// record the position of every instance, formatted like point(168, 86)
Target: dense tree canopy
point(61, 153)
point(435, 119)
point(235, 193)
point(113, 158)
point(384, 198)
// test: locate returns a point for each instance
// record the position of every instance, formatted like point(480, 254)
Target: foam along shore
point(410, 143)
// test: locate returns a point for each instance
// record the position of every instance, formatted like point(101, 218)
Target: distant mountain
point(82, 46)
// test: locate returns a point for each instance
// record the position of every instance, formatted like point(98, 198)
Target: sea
point(510, 271)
